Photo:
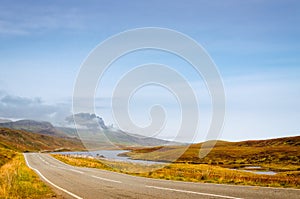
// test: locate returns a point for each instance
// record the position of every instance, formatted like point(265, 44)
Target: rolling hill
point(14, 141)
point(39, 127)
point(91, 134)
point(96, 138)
point(277, 154)
point(23, 141)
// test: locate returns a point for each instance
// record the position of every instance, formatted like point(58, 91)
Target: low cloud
point(32, 108)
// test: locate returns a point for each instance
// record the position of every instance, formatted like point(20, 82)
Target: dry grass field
point(189, 172)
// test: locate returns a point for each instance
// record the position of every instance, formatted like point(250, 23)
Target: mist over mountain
point(4, 120)
point(88, 120)
point(92, 128)
point(18, 107)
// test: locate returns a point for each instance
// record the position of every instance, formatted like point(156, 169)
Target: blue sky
point(255, 45)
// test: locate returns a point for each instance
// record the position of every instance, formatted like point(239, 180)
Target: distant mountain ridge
point(4, 120)
point(88, 120)
point(113, 136)
point(23, 141)
point(92, 127)
point(40, 127)
point(93, 132)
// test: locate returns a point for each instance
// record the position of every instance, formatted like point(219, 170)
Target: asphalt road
point(77, 182)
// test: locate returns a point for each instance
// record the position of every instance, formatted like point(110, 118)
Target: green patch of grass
point(18, 181)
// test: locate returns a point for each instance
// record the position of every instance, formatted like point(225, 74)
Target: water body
point(253, 167)
point(260, 172)
point(264, 172)
point(109, 155)
point(249, 169)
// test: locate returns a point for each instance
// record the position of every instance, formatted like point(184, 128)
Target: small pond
point(256, 170)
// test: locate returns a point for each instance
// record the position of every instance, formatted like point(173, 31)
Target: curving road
point(77, 182)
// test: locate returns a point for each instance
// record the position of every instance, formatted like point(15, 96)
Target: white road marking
point(56, 186)
point(106, 179)
point(75, 170)
point(43, 160)
point(193, 192)
point(59, 167)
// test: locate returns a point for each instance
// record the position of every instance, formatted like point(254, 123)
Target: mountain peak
point(88, 120)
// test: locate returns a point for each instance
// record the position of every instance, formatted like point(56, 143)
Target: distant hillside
point(127, 139)
point(285, 141)
point(22, 141)
point(4, 120)
point(231, 154)
point(40, 127)
point(93, 129)
point(71, 132)
point(92, 136)
point(117, 137)
point(13, 141)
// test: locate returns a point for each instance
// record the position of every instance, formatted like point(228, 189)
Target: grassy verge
point(190, 172)
point(18, 181)
point(6, 155)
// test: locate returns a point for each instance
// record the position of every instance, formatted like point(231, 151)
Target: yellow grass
point(18, 181)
